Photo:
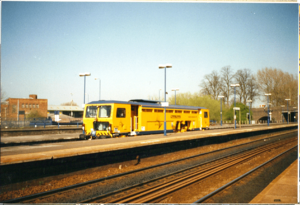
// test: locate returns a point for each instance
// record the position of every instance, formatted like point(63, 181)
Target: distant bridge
point(278, 114)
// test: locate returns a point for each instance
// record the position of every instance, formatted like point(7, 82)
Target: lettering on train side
point(175, 116)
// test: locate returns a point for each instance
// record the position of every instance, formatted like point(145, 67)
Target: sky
point(45, 45)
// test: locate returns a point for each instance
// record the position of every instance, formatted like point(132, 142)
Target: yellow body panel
point(152, 119)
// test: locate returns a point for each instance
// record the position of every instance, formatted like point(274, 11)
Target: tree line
point(281, 85)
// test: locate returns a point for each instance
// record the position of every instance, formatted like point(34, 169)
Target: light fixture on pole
point(99, 86)
point(221, 96)
point(287, 105)
point(165, 67)
point(268, 94)
point(234, 85)
point(84, 75)
point(175, 89)
point(249, 101)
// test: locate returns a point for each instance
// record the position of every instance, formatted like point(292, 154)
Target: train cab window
point(91, 111)
point(205, 115)
point(121, 112)
point(105, 111)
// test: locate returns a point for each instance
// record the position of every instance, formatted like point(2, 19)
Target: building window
point(26, 105)
point(23, 106)
point(14, 108)
point(37, 105)
point(33, 105)
point(29, 105)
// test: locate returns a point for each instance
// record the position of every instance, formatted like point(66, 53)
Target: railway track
point(210, 196)
point(160, 190)
point(137, 194)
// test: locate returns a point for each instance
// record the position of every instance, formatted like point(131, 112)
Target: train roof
point(146, 103)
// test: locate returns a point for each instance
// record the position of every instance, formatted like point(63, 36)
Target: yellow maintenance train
point(105, 119)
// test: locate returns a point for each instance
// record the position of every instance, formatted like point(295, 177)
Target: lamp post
point(221, 96)
point(287, 105)
point(165, 67)
point(282, 117)
point(99, 86)
point(84, 75)
point(175, 89)
point(234, 85)
point(249, 101)
point(268, 94)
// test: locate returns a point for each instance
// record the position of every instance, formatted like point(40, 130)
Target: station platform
point(283, 189)
point(43, 138)
point(45, 151)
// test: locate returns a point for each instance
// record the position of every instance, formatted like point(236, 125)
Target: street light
point(249, 101)
point(84, 75)
point(268, 94)
point(99, 86)
point(287, 102)
point(282, 117)
point(221, 96)
point(234, 85)
point(175, 89)
point(165, 67)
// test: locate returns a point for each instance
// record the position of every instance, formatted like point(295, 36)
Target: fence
point(247, 122)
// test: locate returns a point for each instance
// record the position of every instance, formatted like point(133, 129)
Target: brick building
point(12, 108)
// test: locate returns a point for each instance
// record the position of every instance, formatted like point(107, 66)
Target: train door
point(134, 119)
point(200, 119)
point(204, 118)
point(121, 118)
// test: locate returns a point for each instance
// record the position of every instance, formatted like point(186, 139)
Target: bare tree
point(252, 88)
point(280, 84)
point(226, 81)
point(242, 77)
point(3, 95)
point(69, 104)
point(211, 85)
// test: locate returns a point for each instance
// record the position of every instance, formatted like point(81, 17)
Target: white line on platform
point(215, 133)
point(150, 141)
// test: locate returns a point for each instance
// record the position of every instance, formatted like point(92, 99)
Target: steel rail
point(50, 192)
point(182, 178)
point(192, 177)
point(114, 192)
point(240, 177)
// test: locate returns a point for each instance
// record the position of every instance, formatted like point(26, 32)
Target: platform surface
point(38, 138)
point(283, 189)
point(26, 153)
